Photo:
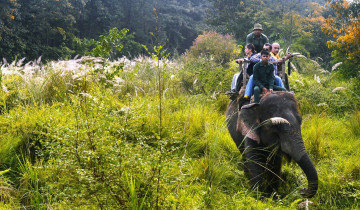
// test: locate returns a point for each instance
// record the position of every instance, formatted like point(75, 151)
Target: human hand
point(288, 55)
point(264, 90)
point(240, 60)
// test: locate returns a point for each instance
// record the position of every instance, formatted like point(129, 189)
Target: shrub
point(116, 43)
point(317, 93)
point(214, 46)
point(208, 65)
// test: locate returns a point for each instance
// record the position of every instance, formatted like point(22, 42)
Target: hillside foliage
point(55, 29)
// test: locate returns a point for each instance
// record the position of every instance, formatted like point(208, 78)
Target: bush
point(214, 46)
point(115, 44)
point(318, 93)
point(209, 64)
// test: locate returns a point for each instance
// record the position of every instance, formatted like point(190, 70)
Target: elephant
point(265, 132)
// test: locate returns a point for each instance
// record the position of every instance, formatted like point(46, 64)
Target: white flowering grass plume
point(44, 82)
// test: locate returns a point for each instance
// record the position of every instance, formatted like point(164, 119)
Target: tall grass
point(354, 123)
point(7, 196)
point(89, 132)
point(133, 195)
point(30, 185)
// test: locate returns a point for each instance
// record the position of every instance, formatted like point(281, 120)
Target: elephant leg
point(254, 164)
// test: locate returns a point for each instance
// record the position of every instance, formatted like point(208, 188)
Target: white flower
point(337, 89)
point(5, 89)
point(334, 67)
point(125, 109)
point(316, 63)
point(293, 67)
point(86, 95)
point(322, 104)
point(316, 78)
point(323, 71)
point(300, 82)
point(118, 80)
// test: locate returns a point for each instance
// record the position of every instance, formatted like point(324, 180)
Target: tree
point(290, 22)
point(180, 22)
point(11, 43)
point(344, 26)
point(55, 28)
point(46, 28)
point(238, 17)
point(233, 17)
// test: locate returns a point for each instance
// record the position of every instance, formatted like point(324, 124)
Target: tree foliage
point(109, 45)
point(291, 23)
point(57, 29)
point(54, 28)
point(344, 27)
point(10, 30)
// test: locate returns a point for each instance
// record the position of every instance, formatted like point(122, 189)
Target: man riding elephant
point(264, 77)
point(257, 38)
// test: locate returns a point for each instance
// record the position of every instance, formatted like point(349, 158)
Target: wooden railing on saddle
point(280, 72)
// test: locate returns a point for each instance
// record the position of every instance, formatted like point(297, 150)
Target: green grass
point(86, 142)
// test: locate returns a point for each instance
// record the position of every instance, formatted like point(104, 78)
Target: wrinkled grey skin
point(262, 149)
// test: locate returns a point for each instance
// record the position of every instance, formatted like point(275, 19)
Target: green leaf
point(4, 172)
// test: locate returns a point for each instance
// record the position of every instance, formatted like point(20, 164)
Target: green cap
point(257, 26)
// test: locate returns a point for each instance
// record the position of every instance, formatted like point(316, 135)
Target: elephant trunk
point(309, 169)
point(293, 145)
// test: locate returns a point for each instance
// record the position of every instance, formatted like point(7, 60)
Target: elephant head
point(276, 121)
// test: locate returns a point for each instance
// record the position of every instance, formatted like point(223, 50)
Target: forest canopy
point(57, 28)
point(62, 29)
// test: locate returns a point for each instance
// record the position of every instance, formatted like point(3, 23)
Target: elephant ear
point(248, 120)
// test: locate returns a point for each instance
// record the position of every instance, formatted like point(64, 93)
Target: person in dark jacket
point(264, 77)
point(257, 38)
point(257, 58)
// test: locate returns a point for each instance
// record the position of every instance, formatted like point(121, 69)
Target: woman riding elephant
point(263, 133)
